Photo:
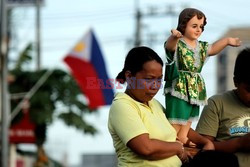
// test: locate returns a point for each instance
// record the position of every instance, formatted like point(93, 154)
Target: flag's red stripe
point(83, 71)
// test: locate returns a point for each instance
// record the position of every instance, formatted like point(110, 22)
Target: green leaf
point(72, 119)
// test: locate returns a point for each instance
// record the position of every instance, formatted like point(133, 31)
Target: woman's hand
point(184, 154)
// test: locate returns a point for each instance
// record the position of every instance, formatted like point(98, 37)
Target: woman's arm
point(219, 45)
point(154, 149)
point(172, 40)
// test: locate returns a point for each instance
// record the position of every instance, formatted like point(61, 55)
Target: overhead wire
point(104, 16)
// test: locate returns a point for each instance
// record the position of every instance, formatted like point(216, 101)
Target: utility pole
point(4, 86)
point(38, 35)
point(138, 28)
point(153, 13)
point(138, 24)
point(4, 94)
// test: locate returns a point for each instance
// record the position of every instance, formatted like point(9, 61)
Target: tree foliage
point(58, 97)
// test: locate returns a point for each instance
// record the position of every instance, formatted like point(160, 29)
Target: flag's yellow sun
point(79, 47)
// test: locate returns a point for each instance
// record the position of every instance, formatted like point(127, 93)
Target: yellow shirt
point(128, 119)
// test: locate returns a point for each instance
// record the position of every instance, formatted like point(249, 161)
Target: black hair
point(135, 60)
point(186, 15)
point(242, 67)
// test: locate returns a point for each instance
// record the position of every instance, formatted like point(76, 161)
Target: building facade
point(226, 59)
point(99, 160)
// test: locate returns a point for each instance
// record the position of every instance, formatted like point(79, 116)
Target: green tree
point(59, 97)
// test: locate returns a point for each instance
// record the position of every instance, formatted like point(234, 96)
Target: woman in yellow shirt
point(142, 135)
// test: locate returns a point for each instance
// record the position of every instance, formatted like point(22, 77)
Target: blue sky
point(64, 22)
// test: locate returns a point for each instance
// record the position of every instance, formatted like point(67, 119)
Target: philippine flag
point(88, 68)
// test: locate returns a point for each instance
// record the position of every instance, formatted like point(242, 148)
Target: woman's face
point(194, 28)
point(146, 83)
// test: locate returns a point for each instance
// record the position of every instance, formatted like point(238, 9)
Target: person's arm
point(232, 145)
point(172, 40)
point(132, 132)
point(154, 149)
point(219, 45)
point(200, 140)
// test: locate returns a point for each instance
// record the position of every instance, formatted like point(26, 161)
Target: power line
point(153, 12)
point(65, 16)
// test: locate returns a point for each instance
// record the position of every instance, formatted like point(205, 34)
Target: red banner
point(23, 131)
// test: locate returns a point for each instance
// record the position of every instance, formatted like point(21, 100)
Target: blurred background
point(41, 35)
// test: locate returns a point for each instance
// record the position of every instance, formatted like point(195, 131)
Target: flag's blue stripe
point(99, 64)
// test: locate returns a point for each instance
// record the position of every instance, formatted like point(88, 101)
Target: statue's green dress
point(185, 93)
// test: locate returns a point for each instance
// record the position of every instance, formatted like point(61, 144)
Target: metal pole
point(38, 34)
point(32, 91)
point(138, 24)
point(4, 87)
